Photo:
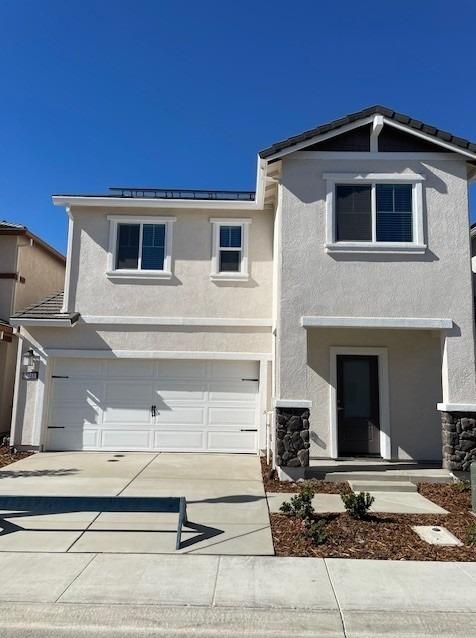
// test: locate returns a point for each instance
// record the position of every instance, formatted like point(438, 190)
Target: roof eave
point(53, 322)
point(281, 149)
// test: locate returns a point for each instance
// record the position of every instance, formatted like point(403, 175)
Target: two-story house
point(29, 269)
point(338, 294)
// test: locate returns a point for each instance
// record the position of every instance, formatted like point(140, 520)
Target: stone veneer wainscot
point(292, 437)
point(459, 440)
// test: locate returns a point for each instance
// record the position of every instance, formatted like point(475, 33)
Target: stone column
point(292, 442)
point(459, 440)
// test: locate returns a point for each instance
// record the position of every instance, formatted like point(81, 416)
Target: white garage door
point(174, 405)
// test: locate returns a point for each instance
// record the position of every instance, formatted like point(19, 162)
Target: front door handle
point(153, 411)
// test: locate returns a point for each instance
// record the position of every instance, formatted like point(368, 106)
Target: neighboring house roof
point(406, 120)
point(9, 228)
point(48, 308)
point(472, 229)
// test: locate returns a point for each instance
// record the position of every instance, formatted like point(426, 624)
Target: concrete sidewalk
point(136, 594)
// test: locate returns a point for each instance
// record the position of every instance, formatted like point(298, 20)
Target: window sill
point(136, 274)
point(394, 248)
point(229, 276)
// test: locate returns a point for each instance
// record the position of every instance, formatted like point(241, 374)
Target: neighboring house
point(339, 293)
point(29, 270)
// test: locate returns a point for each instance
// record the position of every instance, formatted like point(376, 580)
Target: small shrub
point(462, 486)
point(357, 505)
point(316, 532)
point(471, 535)
point(300, 505)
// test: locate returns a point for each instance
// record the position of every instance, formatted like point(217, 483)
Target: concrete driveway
point(224, 494)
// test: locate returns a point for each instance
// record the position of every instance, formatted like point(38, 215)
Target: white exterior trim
point(417, 246)
point(53, 323)
point(456, 407)
point(243, 274)
point(157, 354)
point(377, 126)
point(69, 252)
point(292, 403)
point(366, 155)
point(384, 397)
point(136, 273)
point(401, 323)
point(174, 321)
point(144, 202)
point(381, 178)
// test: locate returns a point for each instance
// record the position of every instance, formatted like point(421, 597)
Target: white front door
point(140, 404)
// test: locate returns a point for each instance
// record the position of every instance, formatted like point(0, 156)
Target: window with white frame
point(374, 213)
point(140, 247)
point(230, 248)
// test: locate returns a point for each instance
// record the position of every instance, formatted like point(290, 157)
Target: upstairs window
point(231, 244)
point(140, 247)
point(230, 250)
point(373, 213)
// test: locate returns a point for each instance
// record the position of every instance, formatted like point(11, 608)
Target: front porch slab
point(385, 502)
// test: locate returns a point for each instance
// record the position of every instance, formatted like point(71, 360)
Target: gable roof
point(9, 228)
point(400, 118)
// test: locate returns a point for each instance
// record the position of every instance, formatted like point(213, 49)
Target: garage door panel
point(179, 369)
point(131, 368)
point(132, 439)
point(181, 415)
point(233, 370)
point(231, 441)
point(201, 405)
point(65, 417)
point(72, 439)
point(187, 440)
point(75, 393)
point(125, 392)
point(74, 368)
point(228, 391)
point(236, 416)
point(173, 389)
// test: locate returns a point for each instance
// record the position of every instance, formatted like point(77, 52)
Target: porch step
point(429, 476)
point(382, 486)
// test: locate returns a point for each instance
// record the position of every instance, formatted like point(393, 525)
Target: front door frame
point(382, 354)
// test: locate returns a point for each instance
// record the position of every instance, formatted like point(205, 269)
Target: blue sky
point(183, 94)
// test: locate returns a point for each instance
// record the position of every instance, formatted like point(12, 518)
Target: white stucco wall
point(190, 292)
point(436, 284)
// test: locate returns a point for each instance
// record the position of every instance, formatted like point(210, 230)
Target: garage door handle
point(56, 427)
point(153, 410)
point(248, 430)
point(250, 380)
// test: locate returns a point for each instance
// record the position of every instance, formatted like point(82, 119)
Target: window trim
point(134, 273)
point(243, 273)
point(417, 246)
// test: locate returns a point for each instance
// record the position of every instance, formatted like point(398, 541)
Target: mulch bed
point(383, 536)
point(7, 457)
point(272, 484)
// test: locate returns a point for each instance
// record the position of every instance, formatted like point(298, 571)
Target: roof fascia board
point(365, 155)
point(429, 138)
point(54, 323)
point(115, 202)
point(321, 138)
